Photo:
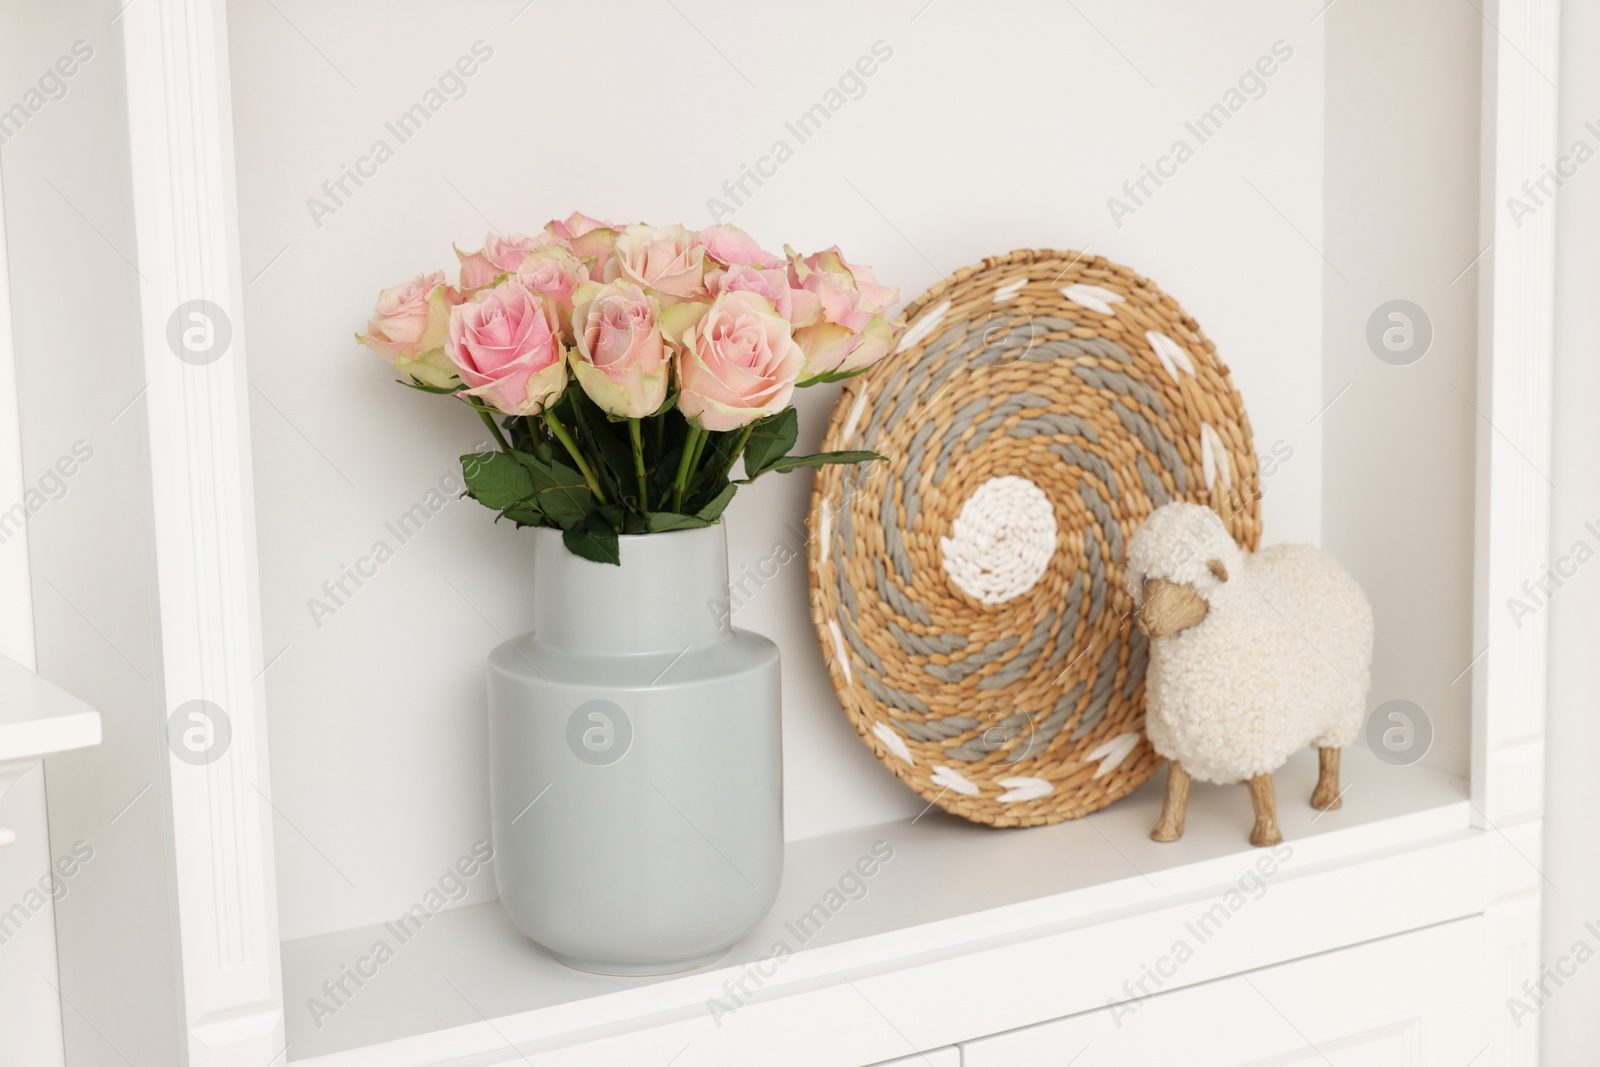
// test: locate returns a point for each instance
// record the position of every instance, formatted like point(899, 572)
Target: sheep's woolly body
point(1281, 661)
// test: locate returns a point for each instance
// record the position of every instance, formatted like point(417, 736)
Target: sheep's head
point(1176, 560)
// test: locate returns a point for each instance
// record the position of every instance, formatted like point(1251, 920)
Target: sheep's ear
point(1216, 568)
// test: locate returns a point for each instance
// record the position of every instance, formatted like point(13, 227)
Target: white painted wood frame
point(186, 220)
point(221, 819)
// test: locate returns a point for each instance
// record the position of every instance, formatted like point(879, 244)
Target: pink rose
point(588, 239)
point(506, 342)
point(731, 246)
point(854, 330)
point(500, 255)
point(409, 327)
point(554, 272)
point(739, 363)
point(621, 360)
point(667, 259)
point(797, 306)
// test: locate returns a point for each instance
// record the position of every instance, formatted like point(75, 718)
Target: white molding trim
point(1516, 287)
point(16, 588)
point(186, 219)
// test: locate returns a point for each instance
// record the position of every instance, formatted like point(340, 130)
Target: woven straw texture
point(968, 592)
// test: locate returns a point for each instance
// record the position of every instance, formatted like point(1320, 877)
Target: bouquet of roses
point(625, 370)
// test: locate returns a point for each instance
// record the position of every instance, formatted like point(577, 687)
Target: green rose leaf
point(525, 514)
point(495, 479)
point(557, 490)
point(713, 510)
point(789, 463)
point(436, 389)
point(596, 542)
point(662, 521)
point(770, 441)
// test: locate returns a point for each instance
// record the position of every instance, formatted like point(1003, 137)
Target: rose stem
point(565, 438)
point(488, 420)
point(541, 443)
point(638, 463)
point(684, 463)
point(699, 450)
point(738, 447)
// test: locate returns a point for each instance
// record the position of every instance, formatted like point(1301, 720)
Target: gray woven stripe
point(1154, 487)
point(890, 523)
point(891, 594)
point(1024, 660)
point(875, 421)
point(1049, 351)
point(1122, 385)
point(1153, 440)
point(940, 345)
point(847, 597)
point(1011, 405)
point(958, 425)
point(916, 374)
point(909, 495)
point(1138, 659)
point(1097, 575)
point(992, 739)
point(868, 657)
point(1071, 609)
point(1065, 706)
point(1100, 696)
point(927, 645)
point(965, 668)
point(1052, 423)
point(1102, 516)
point(1083, 459)
point(1106, 348)
point(1005, 349)
point(935, 729)
point(895, 698)
point(942, 369)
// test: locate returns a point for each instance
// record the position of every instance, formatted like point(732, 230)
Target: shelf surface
point(38, 719)
point(949, 883)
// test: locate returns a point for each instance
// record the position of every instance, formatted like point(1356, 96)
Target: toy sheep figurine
point(1251, 658)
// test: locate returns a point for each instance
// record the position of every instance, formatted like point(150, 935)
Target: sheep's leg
point(1176, 805)
point(1327, 797)
point(1265, 832)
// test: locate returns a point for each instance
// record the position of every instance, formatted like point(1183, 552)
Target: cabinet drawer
point(1404, 1001)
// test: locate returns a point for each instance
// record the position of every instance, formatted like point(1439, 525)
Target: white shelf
point(949, 884)
point(38, 719)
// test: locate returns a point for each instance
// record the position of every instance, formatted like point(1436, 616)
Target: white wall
point(1571, 1027)
point(992, 127)
point(28, 956)
point(70, 247)
point(1401, 217)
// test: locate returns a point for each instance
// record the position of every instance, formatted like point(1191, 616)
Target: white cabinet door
point(939, 1057)
point(1404, 1001)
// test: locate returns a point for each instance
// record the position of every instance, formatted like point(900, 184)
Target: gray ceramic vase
point(636, 759)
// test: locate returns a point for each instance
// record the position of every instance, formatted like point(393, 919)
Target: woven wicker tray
point(968, 593)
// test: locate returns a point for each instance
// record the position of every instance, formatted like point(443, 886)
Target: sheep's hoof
point(1327, 798)
point(1266, 836)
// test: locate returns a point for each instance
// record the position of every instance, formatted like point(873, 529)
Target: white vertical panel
point(186, 220)
point(1513, 397)
point(30, 957)
point(16, 595)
